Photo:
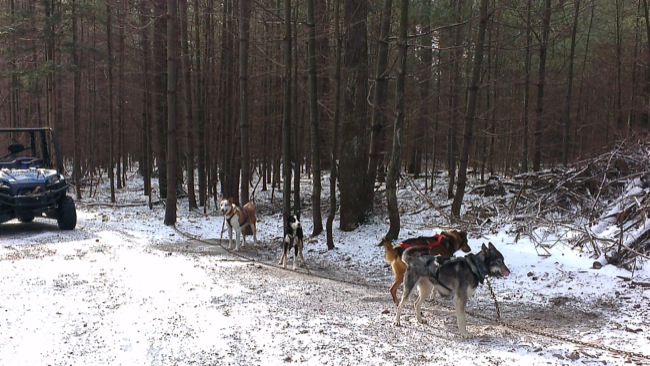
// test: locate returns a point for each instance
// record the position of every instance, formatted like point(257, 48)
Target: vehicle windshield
point(20, 147)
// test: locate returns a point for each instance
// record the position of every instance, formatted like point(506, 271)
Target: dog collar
point(482, 271)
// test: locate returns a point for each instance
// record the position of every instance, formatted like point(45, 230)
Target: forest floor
point(124, 289)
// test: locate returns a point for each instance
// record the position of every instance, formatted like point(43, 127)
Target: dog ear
point(484, 248)
point(492, 246)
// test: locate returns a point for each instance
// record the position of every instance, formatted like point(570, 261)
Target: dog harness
point(439, 261)
point(437, 237)
point(234, 209)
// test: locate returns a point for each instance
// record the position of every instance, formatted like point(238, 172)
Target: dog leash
point(497, 319)
point(241, 257)
point(494, 297)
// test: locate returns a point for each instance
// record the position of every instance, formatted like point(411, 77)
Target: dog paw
point(465, 335)
point(397, 324)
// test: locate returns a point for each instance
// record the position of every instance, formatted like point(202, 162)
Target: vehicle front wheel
point(67, 218)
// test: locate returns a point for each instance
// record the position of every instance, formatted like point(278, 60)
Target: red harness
point(408, 243)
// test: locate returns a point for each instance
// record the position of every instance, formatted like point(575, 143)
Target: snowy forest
point(233, 97)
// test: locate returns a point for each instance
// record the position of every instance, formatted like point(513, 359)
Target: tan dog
point(444, 244)
point(242, 220)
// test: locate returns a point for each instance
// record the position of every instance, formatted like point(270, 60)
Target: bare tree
point(314, 118)
point(286, 114)
point(244, 35)
point(199, 93)
point(527, 67)
point(76, 102)
point(145, 163)
point(335, 126)
point(541, 81)
point(569, 91)
point(172, 151)
point(398, 127)
point(160, 111)
point(111, 127)
point(355, 197)
point(472, 98)
point(188, 113)
point(380, 99)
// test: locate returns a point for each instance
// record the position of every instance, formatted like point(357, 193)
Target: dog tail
point(407, 255)
point(391, 254)
point(412, 252)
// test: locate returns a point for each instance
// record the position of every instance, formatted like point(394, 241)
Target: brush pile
point(600, 204)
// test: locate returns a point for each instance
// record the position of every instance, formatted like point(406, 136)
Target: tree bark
point(172, 153)
point(314, 118)
point(355, 197)
point(188, 104)
point(111, 127)
point(455, 91)
point(380, 99)
point(160, 95)
point(472, 98)
point(200, 91)
point(569, 91)
point(398, 127)
point(527, 72)
point(244, 35)
point(286, 114)
point(335, 125)
point(76, 104)
point(145, 163)
point(539, 111)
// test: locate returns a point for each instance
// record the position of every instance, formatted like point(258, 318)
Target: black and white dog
point(292, 240)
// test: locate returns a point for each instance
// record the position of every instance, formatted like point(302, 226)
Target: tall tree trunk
point(456, 82)
point(569, 91)
point(335, 125)
point(145, 164)
point(76, 104)
point(619, 63)
point(13, 65)
point(646, 13)
point(632, 113)
point(172, 151)
point(314, 118)
point(527, 71)
point(472, 98)
point(286, 114)
point(200, 90)
point(244, 35)
point(188, 105)
point(578, 121)
point(160, 94)
point(379, 102)
point(50, 59)
point(121, 158)
point(355, 197)
point(424, 119)
point(539, 111)
point(398, 127)
point(111, 127)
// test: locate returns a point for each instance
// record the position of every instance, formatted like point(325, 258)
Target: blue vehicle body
point(31, 181)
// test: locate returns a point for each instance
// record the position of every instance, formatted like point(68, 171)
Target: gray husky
point(458, 276)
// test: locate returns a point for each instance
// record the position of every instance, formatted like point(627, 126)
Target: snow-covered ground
point(124, 289)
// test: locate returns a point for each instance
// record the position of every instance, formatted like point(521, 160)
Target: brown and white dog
point(240, 219)
point(444, 244)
